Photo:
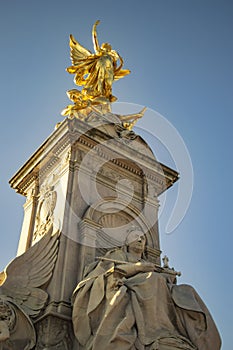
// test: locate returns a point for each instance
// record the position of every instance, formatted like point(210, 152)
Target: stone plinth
point(90, 181)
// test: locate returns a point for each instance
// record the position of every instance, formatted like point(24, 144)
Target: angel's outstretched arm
point(94, 37)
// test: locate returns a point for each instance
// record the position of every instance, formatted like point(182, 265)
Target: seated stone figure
point(125, 303)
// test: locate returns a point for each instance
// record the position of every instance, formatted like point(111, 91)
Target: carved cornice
point(72, 134)
point(132, 161)
point(26, 183)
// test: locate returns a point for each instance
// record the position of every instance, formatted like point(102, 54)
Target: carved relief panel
point(54, 333)
point(45, 212)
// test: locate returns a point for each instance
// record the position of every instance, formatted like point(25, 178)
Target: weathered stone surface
point(23, 294)
point(80, 170)
point(54, 333)
point(93, 182)
point(125, 302)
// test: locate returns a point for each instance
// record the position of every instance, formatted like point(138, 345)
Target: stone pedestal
point(92, 182)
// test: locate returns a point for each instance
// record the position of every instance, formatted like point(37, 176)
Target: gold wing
point(77, 51)
point(27, 273)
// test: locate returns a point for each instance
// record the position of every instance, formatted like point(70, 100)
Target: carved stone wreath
point(44, 217)
point(7, 314)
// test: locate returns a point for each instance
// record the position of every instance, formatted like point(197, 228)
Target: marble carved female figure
point(125, 303)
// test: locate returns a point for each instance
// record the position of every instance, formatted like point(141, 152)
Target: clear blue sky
point(180, 53)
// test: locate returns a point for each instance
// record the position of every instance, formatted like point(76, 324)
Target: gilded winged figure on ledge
point(96, 71)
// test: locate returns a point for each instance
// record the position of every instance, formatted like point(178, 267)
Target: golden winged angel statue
point(95, 72)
